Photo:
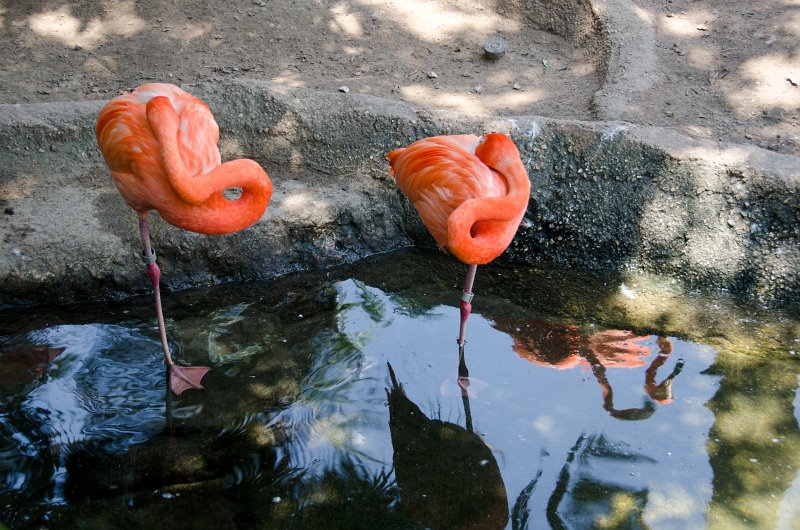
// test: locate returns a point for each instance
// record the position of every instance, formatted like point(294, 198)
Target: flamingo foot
point(183, 378)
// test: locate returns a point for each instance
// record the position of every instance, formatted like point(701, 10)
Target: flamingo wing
point(439, 174)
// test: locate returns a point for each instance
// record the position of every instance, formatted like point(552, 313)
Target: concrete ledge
point(605, 195)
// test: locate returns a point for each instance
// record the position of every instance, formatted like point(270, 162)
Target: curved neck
point(202, 207)
point(480, 229)
point(498, 152)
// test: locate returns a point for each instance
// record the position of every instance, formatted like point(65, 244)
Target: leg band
point(149, 260)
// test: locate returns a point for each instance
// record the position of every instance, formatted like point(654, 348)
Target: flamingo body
point(161, 146)
point(470, 192)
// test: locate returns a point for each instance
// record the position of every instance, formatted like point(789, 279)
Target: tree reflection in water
point(447, 476)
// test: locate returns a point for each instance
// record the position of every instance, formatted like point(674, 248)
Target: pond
point(339, 400)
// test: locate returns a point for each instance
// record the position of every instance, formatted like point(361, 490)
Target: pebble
point(432, 75)
point(344, 89)
point(478, 89)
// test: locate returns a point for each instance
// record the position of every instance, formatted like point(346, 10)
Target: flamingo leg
point(180, 377)
point(466, 303)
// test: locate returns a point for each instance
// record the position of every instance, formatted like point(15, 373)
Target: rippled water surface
point(338, 400)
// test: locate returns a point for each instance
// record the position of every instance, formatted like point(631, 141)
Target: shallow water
point(605, 402)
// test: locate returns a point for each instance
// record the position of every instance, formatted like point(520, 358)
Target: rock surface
point(605, 195)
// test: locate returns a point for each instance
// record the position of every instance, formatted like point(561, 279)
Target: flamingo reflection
point(564, 347)
point(447, 476)
point(25, 364)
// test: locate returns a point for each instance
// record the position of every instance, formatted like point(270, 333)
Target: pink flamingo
point(161, 146)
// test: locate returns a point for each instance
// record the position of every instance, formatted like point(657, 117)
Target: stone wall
point(605, 195)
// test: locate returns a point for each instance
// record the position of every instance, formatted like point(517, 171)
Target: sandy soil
point(724, 70)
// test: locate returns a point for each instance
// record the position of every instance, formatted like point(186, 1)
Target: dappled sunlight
point(59, 24)
point(297, 201)
point(292, 79)
point(299, 205)
point(673, 501)
point(649, 299)
point(104, 67)
point(517, 99)
point(733, 155)
point(386, 48)
point(751, 419)
point(769, 86)
point(351, 50)
point(18, 188)
point(470, 103)
point(702, 58)
point(345, 21)
point(687, 24)
point(432, 21)
point(645, 15)
point(420, 95)
point(187, 32)
point(230, 147)
point(700, 131)
point(711, 60)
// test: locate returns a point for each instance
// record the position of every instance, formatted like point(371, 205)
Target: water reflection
point(296, 428)
point(98, 390)
point(23, 365)
point(526, 411)
point(563, 347)
point(593, 490)
point(448, 477)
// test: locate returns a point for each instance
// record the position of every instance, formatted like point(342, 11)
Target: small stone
point(432, 75)
point(344, 89)
point(516, 86)
point(478, 89)
point(77, 47)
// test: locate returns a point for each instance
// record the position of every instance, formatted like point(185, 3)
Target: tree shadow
point(426, 52)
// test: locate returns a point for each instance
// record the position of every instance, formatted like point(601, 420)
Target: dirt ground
point(725, 71)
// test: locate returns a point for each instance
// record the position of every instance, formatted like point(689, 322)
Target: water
point(590, 402)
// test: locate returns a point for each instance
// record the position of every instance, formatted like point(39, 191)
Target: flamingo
point(470, 192)
point(160, 144)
